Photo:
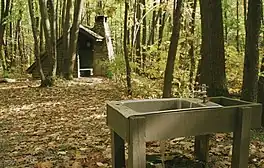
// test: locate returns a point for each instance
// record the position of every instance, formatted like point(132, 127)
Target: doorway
point(85, 60)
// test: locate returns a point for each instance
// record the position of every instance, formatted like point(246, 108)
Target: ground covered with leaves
point(64, 126)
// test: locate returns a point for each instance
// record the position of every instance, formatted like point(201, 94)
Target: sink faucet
point(201, 92)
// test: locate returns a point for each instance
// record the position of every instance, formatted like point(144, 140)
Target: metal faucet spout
point(201, 92)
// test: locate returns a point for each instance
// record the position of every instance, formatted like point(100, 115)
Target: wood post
point(118, 151)
point(201, 147)
point(137, 143)
point(241, 140)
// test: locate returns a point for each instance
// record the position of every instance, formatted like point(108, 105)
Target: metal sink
point(189, 116)
point(161, 116)
point(139, 121)
point(141, 107)
point(231, 106)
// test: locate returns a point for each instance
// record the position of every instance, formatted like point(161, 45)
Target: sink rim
point(129, 112)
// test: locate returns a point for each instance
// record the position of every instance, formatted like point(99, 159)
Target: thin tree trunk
point(10, 48)
point(237, 27)
point(261, 77)
point(251, 61)
point(245, 13)
point(191, 42)
point(5, 5)
point(128, 69)
point(60, 19)
point(74, 37)
point(20, 48)
point(49, 36)
point(53, 20)
point(36, 40)
point(138, 38)
point(168, 78)
point(225, 25)
point(261, 87)
point(153, 25)
point(6, 52)
point(23, 46)
point(17, 33)
point(57, 20)
point(66, 29)
point(198, 73)
point(144, 34)
point(162, 17)
point(63, 14)
point(41, 38)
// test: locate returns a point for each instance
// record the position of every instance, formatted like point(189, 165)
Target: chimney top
point(101, 18)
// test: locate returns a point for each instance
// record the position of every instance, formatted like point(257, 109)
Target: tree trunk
point(168, 78)
point(63, 14)
point(66, 29)
point(213, 56)
point(237, 27)
point(57, 20)
point(251, 60)
point(191, 42)
point(245, 13)
point(128, 69)
point(23, 46)
point(19, 42)
point(41, 38)
point(261, 77)
point(134, 26)
point(5, 5)
point(153, 25)
point(261, 87)
point(138, 38)
point(225, 25)
point(53, 39)
point(74, 37)
point(49, 36)
point(144, 34)
point(162, 17)
point(10, 48)
point(36, 40)
point(17, 33)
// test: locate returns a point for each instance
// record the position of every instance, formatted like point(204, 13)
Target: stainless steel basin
point(147, 106)
point(139, 121)
point(189, 116)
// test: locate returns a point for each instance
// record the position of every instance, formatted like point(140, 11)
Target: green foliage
point(117, 69)
point(155, 61)
point(234, 68)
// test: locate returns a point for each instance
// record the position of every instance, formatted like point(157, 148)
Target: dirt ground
point(64, 126)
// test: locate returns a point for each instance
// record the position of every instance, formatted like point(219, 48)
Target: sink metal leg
point(118, 151)
point(241, 140)
point(137, 143)
point(201, 147)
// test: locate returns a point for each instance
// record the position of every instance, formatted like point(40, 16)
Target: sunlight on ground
point(12, 87)
point(66, 125)
point(21, 109)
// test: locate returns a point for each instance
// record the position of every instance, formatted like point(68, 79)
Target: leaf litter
point(64, 126)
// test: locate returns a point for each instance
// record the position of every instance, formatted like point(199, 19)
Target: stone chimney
point(99, 25)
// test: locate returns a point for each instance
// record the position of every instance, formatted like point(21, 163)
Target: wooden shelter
point(94, 47)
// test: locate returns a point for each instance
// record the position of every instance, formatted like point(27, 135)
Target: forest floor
point(65, 126)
